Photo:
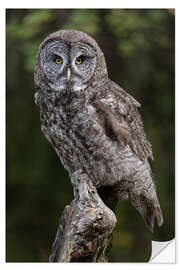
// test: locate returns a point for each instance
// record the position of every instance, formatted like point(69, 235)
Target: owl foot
point(149, 209)
point(75, 175)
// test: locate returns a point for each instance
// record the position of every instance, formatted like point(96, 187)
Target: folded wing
point(122, 120)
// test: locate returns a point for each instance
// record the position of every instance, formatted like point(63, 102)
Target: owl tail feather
point(149, 208)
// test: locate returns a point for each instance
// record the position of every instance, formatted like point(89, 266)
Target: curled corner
point(163, 252)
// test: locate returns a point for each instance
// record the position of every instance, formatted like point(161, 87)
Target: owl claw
point(151, 215)
point(76, 175)
point(149, 209)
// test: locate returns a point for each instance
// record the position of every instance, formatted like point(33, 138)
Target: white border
point(91, 4)
point(70, 4)
point(2, 134)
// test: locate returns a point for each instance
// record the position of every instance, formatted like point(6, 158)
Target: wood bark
point(85, 228)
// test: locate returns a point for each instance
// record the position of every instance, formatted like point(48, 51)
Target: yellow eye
point(58, 60)
point(79, 60)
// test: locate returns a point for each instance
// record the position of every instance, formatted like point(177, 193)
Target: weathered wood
point(85, 230)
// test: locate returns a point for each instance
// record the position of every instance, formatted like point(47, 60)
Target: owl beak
point(68, 74)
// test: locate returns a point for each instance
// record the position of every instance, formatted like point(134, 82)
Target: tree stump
point(85, 230)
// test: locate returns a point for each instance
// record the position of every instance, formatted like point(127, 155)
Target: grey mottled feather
point(120, 110)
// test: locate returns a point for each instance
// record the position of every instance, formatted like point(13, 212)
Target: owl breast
point(76, 134)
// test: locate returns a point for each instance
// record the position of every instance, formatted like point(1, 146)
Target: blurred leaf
point(85, 20)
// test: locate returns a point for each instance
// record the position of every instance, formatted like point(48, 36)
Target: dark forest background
point(139, 48)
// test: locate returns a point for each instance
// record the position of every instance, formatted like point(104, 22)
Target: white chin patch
point(78, 88)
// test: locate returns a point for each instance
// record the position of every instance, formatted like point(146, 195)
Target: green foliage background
point(139, 48)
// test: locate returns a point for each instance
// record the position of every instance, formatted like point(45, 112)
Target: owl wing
point(122, 120)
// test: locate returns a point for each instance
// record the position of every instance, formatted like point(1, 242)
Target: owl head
point(68, 59)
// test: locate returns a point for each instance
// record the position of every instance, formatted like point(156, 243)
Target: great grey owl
point(91, 122)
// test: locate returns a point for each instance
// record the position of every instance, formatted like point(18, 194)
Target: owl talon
point(76, 175)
